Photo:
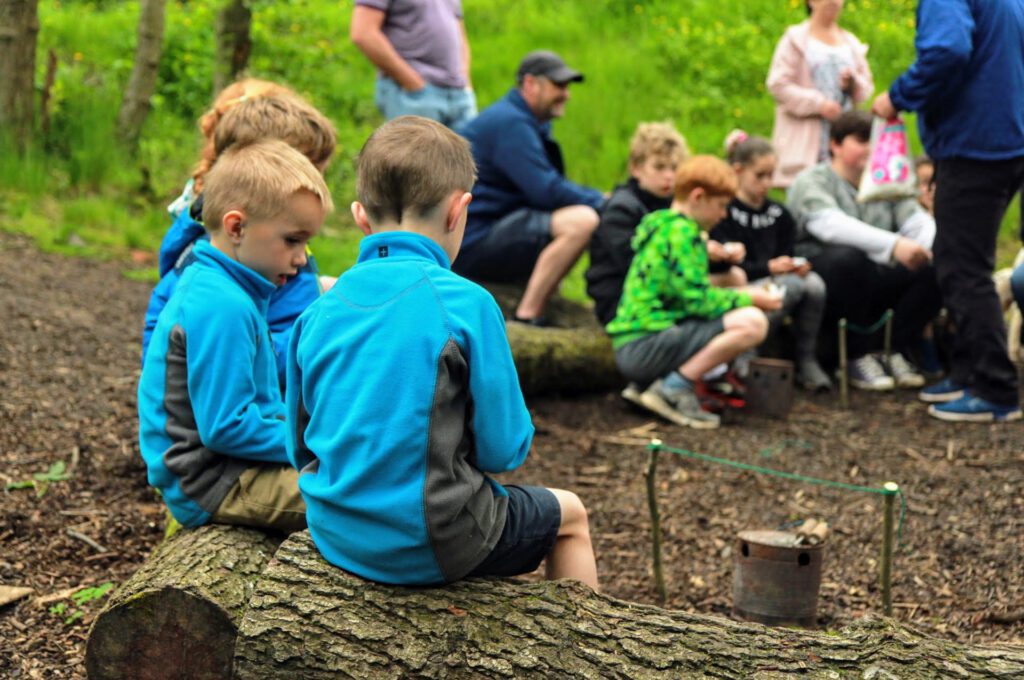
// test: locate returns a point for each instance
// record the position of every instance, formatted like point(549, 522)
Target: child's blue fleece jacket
point(209, 401)
point(401, 395)
point(286, 303)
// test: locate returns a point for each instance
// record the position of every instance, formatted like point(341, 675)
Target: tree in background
point(142, 84)
point(233, 43)
point(19, 25)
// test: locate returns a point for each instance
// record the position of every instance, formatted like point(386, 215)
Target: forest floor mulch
point(69, 362)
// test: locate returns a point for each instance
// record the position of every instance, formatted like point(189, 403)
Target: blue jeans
point(452, 106)
point(1017, 285)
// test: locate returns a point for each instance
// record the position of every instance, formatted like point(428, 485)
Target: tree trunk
point(142, 83)
point(574, 355)
point(310, 620)
point(177, 616)
point(19, 26)
point(233, 43)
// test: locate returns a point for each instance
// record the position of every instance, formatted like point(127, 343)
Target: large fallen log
point(310, 620)
point(178, 615)
point(574, 355)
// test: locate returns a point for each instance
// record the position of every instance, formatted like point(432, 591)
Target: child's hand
point(767, 300)
point(783, 264)
point(735, 251)
point(716, 251)
point(801, 266)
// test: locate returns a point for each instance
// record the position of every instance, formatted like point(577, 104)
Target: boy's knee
point(574, 513)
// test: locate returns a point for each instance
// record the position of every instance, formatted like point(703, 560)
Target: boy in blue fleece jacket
point(211, 416)
point(251, 116)
point(402, 393)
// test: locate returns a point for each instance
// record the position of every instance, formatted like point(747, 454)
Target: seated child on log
point(672, 326)
point(655, 152)
point(402, 393)
point(767, 231)
point(211, 414)
point(247, 111)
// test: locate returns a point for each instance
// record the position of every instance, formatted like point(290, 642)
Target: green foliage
point(72, 613)
point(41, 480)
point(700, 64)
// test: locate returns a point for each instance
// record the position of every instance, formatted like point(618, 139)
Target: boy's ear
point(359, 215)
point(233, 225)
point(457, 206)
point(698, 193)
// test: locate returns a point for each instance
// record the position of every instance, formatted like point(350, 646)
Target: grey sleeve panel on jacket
point(464, 515)
point(204, 476)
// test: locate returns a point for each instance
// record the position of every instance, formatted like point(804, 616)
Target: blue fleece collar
point(515, 98)
point(404, 245)
point(253, 283)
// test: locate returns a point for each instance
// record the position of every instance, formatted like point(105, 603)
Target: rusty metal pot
point(776, 580)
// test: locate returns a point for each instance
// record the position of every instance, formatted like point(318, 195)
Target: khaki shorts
point(266, 497)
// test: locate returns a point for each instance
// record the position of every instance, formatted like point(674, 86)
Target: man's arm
point(526, 165)
point(465, 52)
point(367, 34)
point(944, 46)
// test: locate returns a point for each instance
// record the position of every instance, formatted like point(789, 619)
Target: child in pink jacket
point(818, 71)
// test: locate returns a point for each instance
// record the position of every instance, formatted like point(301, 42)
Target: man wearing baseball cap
point(527, 222)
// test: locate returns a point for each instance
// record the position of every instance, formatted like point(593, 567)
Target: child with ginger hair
point(672, 326)
point(402, 394)
point(245, 112)
point(211, 414)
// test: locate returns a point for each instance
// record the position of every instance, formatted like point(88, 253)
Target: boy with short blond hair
point(211, 417)
point(654, 154)
point(402, 393)
point(671, 325)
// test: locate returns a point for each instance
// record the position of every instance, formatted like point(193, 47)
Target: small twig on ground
point(88, 541)
point(1006, 617)
point(76, 454)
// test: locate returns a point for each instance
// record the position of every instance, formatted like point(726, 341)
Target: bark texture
point(574, 355)
point(19, 26)
point(142, 84)
point(177, 616)
point(233, 43)
point(310, 620)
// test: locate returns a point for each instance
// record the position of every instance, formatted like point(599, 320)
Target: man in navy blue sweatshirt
point(527, 222)
point(967, 86)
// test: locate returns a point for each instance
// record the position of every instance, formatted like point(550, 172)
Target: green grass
point(700, 64)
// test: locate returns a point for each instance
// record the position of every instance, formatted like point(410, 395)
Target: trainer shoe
point(867, 373)
point(811, 376)
point(941, 392)
point(631, 393)
point(679, 406)
point(973, 409)
point(904, 373)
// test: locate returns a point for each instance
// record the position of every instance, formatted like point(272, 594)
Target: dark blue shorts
point(531, 529)
point(509, 249)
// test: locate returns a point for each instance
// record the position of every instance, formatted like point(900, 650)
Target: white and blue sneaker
point(941, 392)
point(867, 373)
point(972, 409)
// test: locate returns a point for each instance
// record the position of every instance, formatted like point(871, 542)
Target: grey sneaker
point(867, 373)
point(631, 393)
point(811, 376)
point(680, 406)
point(904, 373)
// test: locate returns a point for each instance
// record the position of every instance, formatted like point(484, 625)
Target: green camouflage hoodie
point(668, 280)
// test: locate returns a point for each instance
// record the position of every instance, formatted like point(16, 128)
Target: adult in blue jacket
point(527, 222)
point(967, 87)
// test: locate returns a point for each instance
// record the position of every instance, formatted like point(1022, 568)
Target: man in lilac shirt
point(422, 53)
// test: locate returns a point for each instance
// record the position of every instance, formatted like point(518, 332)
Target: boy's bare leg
point(573, 555)
point(745, 328)
point(571, 229)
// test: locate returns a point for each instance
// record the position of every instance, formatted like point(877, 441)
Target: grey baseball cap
point(550, 65)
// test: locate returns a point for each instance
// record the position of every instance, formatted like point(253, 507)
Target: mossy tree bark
point(308, 619)
point(136, 104)
point(177, 616)
point(19, 26)
point(233, 43)
point(574, 355)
